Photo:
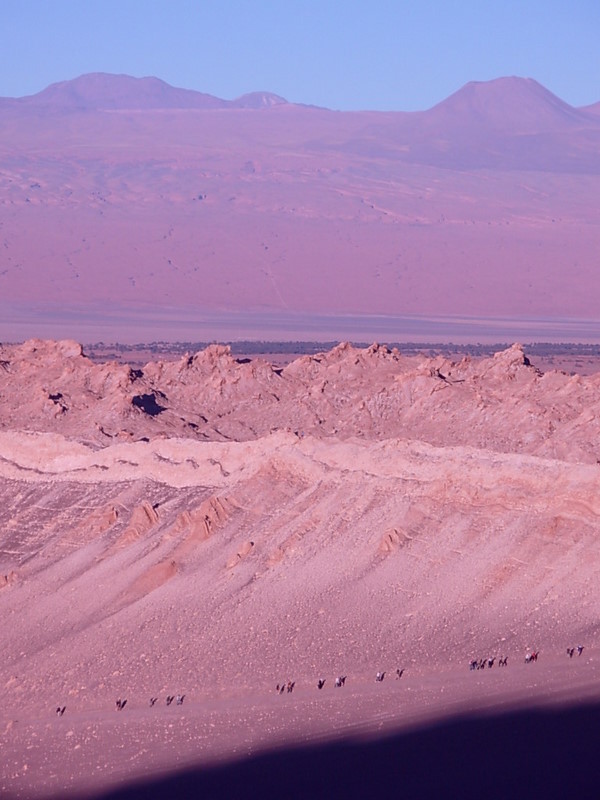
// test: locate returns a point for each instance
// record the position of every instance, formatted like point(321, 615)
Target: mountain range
point(103, 91)
point(124, 199)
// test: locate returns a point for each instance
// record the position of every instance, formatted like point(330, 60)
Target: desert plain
point(132, 210)
point(212, 527)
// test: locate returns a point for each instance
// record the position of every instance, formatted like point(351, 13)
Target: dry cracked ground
point(212, 527)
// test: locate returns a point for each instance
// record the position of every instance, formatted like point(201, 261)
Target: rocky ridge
point(501, 403)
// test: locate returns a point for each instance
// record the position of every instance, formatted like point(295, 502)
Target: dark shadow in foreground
point(527, 754)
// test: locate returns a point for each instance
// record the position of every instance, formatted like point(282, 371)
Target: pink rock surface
point(355, 512)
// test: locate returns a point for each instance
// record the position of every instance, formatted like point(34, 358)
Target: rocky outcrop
point(501, 403)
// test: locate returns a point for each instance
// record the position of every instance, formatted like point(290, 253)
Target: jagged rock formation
point(501, 403)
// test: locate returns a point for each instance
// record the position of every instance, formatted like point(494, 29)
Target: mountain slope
point(104, 91)
point(420, 514)
point(513, 105)
point(99, 91)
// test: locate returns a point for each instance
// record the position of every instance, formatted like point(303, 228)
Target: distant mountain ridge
point(501, 99)
point(100, 91)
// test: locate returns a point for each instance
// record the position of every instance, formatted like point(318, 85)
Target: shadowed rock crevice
point(148, 404)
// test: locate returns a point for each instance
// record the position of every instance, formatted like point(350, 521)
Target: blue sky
point(375, 54)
